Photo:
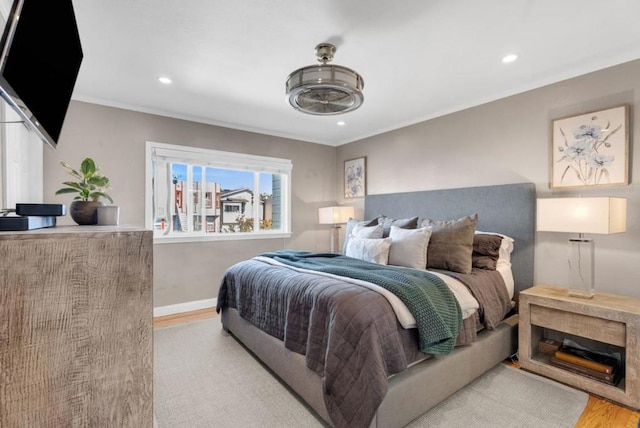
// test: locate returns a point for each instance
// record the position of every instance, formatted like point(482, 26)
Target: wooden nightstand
point(607, 318)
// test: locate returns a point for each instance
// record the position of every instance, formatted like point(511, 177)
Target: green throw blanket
point(427, 297)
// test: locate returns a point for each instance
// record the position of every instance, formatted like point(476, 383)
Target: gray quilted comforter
point(349, 334)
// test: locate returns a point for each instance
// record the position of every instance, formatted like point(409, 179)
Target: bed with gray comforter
point(340, 345)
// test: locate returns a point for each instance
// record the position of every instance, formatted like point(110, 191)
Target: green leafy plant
point(90, 185)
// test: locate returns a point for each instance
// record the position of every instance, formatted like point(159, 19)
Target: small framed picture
point(355, 178)
point(591, 150)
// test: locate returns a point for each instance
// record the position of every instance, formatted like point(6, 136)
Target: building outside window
point(245, 196)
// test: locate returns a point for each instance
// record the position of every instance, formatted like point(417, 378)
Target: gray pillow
point(350, 225)
point(451, 244)
point(402, 223)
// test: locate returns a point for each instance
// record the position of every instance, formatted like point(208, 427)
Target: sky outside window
point(229, 179)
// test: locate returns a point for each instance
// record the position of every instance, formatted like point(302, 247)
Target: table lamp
point(335, 216)
point(603, 215)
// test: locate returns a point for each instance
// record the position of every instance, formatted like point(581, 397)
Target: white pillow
point(369, 232)
point(370, 250)
point(506, 248)
point(409, 247)
point(350, 225)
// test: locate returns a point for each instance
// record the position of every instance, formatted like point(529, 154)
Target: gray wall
point(502, 142)
point(184, 272)
point(508, 141)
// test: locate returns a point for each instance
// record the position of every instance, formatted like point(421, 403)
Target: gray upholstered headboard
point(507, 209)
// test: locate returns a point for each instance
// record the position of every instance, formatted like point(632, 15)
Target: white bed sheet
point(507, 275)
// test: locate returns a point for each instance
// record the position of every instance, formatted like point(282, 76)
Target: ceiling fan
point(325, 89)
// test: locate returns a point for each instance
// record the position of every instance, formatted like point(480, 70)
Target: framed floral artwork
point(591, 150)
point(355, 178)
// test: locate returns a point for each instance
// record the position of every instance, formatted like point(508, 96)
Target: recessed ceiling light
point(164, 79)
point(342, 123)
point(509, 58)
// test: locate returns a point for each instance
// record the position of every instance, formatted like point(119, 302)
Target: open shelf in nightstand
point(543, 359)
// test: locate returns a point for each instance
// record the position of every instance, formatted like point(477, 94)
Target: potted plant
point(90, 188)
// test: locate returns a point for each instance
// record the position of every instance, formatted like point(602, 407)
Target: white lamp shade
point(335, 215)
point(582, 215)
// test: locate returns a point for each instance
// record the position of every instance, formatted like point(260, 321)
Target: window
point(200, 194)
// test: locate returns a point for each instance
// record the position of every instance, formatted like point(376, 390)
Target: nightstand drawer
point(606, 331)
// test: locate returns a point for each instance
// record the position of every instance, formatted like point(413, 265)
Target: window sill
point(219, 237)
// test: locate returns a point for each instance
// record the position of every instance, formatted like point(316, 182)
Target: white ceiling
point(419, 58)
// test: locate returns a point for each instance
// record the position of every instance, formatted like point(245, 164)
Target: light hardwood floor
point(185, 317)
point(599, 413)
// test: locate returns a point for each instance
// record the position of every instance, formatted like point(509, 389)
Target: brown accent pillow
point(486, 251)
point(402, 223)
point(451, 243)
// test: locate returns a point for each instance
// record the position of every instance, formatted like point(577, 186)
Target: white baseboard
point(161, 311)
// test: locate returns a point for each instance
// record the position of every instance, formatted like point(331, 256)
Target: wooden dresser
point(76, 327)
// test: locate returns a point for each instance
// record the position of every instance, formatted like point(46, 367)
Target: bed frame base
point(411, 393)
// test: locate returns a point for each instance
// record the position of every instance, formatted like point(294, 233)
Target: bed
point(398, 386)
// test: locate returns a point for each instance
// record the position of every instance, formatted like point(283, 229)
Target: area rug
point(204, 378)
point(508, 397)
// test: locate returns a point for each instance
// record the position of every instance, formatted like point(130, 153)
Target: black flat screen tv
point(41, 57)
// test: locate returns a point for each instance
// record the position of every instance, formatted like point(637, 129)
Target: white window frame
point(218, 159)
